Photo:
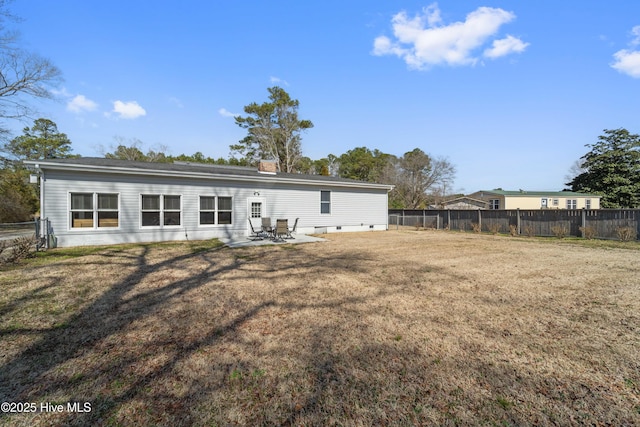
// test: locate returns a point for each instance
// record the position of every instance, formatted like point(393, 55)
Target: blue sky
point(508, 91)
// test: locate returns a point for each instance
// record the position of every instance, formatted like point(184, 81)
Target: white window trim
point(215, 211)
point(95, 211)
point(162, 210)
point(218, 211)
point(330, 203)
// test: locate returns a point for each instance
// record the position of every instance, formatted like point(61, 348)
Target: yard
point(382, 328)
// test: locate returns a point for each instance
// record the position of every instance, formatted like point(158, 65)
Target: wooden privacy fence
point(622, 224)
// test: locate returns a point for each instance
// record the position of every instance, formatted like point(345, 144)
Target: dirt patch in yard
point(383, 328)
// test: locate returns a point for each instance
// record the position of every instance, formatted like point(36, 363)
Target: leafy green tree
point(41, 141)
point(363, 164)
point(19, 199)
point(273, 131)
point(611, 169)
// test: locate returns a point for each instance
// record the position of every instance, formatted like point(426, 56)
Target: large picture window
point(160, 210)
point(215, 210)
point(91, 210)
point(325, 202)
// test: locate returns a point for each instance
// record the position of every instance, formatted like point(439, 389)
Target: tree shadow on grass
point(40, 373)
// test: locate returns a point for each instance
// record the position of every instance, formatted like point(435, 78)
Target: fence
point(596, 223)
point(39, 229)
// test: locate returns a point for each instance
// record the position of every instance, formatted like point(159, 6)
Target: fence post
point(518, 221)
point(479, 220)
point(584, 221)
point(449, 218)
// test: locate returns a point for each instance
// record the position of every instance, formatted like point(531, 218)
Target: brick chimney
point(267, 166)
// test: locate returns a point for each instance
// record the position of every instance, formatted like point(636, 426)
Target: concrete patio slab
point(238, 242)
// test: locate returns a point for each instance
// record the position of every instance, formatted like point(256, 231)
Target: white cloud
point(225, 113)
point(61, 92)
point(505, 46)
point(277, 80)
point(81, 103)
point(128, 110)
point(628, 61)
point(635, 31)
point(422, 41)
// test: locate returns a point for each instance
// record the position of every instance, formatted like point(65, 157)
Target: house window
point(587, 203)
point(207, 210)
point(556, 202)
point(84, 210)
point(224, 210)
point(150, 210)
point(256, 210)
point(81, 210)
point(325, 202)
point(171, 212)
point(160, 210)
point(107, 210)
point(572, 204)
point(210, 214)
point(494, 204)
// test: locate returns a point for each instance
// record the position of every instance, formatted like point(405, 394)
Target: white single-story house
point(96, 201)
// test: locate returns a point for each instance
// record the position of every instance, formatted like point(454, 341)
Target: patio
point(237, 242)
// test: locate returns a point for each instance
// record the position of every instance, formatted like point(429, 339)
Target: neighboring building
point(500, 199)
point(464, 202)
point(94, 201)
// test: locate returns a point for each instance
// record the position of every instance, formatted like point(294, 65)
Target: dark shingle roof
point(199, 168)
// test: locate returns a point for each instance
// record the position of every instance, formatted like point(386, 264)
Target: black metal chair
point(292, 229)
point(255, 235)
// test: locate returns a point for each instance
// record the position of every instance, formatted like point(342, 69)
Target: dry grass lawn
point(384, 328)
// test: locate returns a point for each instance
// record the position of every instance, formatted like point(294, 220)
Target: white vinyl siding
point(351, 209)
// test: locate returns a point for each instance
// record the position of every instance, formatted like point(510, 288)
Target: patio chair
point(267, 227)
point(292, 230)
point(255, 235)
point(281, 230)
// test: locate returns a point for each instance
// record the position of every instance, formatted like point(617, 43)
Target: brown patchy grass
point(385, 328)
